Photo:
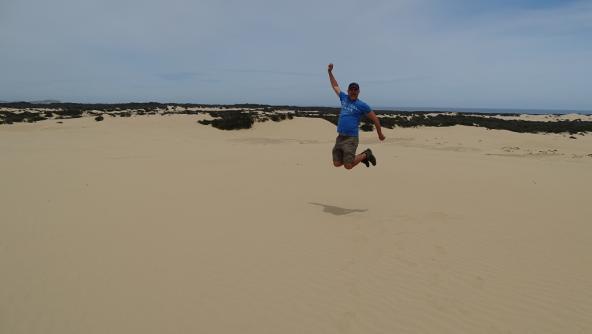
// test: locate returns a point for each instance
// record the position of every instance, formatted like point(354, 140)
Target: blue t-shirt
point(349, 117)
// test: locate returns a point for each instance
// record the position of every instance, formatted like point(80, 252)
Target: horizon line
point(387, 108)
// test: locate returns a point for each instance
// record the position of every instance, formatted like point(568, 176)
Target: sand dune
point(157, 224)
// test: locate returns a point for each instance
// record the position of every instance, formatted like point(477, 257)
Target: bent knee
point(337, 164)
point(348, 166)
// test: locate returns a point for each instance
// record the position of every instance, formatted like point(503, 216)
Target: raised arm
point(376, 121)
point(333, 81)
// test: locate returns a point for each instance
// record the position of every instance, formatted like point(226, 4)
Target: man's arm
point(333, 81)
point(376, 121)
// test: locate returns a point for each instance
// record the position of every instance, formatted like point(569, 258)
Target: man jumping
point(352, 109)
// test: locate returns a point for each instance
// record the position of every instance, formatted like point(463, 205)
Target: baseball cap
point(353, 85)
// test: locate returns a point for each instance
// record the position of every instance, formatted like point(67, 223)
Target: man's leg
point(337, 153)
point(350, 159)
point(356, 161)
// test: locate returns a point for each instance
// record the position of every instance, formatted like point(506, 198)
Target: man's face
point(353, 92)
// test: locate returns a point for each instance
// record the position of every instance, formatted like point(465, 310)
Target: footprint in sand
point(510, 148)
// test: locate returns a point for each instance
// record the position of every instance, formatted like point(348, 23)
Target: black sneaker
point(370, 157)
point(365, 161)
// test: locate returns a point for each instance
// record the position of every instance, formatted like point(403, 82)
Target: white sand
point(157, 224)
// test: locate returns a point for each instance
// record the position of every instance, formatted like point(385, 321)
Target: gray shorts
point(344, 150)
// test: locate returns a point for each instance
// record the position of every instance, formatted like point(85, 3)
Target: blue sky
point(425, 53)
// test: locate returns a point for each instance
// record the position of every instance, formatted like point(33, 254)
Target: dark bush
point(8, 117)
point(69, 112)
point(233, 121)
point(234, 116)
point(367, 125)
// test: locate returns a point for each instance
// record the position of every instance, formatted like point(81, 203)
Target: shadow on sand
point(335, 210)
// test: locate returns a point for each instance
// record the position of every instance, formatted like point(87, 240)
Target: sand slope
point(157, 224)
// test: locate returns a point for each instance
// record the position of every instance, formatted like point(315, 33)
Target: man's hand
point(334, 84)
point(372, 116)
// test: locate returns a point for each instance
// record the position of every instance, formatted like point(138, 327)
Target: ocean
point(491, 110)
